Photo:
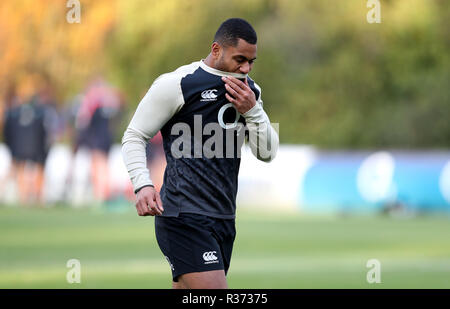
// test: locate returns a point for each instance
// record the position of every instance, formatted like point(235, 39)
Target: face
point(235, 59)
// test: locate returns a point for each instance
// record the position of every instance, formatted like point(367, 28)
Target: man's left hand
point(239, 94)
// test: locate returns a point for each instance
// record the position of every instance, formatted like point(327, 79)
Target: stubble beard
point(220, 65)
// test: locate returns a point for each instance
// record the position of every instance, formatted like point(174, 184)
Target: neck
point(209, 61)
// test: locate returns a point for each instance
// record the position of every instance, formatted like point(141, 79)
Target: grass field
point(119, 250)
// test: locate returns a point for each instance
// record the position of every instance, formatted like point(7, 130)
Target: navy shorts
point(195, 243)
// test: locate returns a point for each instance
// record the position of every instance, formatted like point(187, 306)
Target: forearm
point(159, 104)
point(263, 138)
point(133, 153)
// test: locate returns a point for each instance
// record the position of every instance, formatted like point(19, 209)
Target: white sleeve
point(161, 102)
point(263, 138)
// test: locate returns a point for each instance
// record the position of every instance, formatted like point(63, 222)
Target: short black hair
point(233, 29)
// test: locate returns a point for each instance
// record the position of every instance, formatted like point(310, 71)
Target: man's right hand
point(148, 202)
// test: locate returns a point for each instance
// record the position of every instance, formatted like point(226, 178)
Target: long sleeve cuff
point(256, 114)
point(263, 139)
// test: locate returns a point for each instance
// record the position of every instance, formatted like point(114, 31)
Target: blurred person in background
point(10, 100)
point(94, 123)
point(29, 131)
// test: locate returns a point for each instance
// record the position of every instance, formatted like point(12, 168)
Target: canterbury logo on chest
point(209, 95)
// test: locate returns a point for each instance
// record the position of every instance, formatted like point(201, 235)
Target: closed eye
point(241, 59)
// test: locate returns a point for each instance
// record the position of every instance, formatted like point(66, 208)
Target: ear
point(216, 49)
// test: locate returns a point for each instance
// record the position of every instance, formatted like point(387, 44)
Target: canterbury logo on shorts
point(210, 257)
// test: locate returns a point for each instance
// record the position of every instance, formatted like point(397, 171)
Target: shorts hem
point(175, 276)
point(208, 214)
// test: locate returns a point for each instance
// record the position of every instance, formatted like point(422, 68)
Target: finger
point(152, 206)
point(238, 82)
point(150, 211)
point(159, 202)
point(138, 209)
point(232, 91)
point(230, 86)
point(230, 99)
point(155, 207)
point(142, 209)
point(146, 209)
point(233, 84)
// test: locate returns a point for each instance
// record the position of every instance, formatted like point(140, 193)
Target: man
point(28, 132)
point(96, 116)
point(194, 222)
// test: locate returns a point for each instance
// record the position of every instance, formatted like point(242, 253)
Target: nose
point(245, 68)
